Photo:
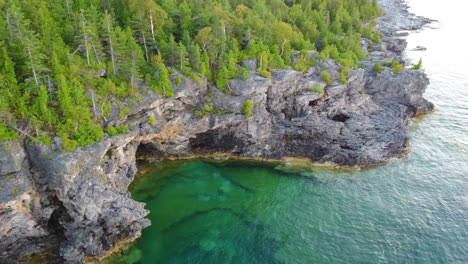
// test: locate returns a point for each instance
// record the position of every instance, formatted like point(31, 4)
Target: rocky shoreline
point(69, 206)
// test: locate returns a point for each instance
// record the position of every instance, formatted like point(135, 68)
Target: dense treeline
point(65, 63)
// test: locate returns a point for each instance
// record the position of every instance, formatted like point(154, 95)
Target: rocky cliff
point(76, 205)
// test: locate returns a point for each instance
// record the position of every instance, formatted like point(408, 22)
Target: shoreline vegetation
point(85, 63)
point(95, 85)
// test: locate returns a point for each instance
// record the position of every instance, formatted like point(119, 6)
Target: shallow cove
point(221, 211)
point(411, 210)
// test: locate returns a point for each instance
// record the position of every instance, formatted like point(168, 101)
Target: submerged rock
point(76, 205)
point(420, 48)
point(85, 208)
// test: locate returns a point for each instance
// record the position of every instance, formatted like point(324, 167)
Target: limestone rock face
point(87, 189)
point(21, 233)
point(22, 229)
point(405, 88)
point(11, 157)
point(76, 205)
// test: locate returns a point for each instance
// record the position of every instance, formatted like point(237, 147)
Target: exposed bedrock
point(76, 205)
point(70, 205)
point(405, 89)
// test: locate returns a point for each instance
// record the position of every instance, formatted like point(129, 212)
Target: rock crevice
point(77, 205)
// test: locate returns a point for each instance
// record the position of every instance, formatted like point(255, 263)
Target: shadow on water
point(230, 247)
point(274, 167)
point(169, 172)
point(242, 218)
point(184, 198)
point(411, 210)
point(162, 178)
point(205, 211)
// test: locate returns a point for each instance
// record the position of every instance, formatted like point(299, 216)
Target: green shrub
point(396, 67)
point(265, 74)
point(15, 191)
point(194, 76)
point(304, 61)
point(106, 108)
point(122, 129)
point(417, 66)
point(208, 108)
point(247, 108)
point(68, 145)
point(6, 133)
point(112, 131)
point(171, 70)
point(178, 80)
point(211, 94)
point(343, 79)
point(151, 120)
point(221, 111)
point(316, 89)
point(88, 134)
point(160, 81)
point(326, 77)
point(132, 102)
point(44, 139)
point(244, 73)
point(378, 68)
point(222, 79)
point(344, 73)
point(199, 113)
point(124, 112)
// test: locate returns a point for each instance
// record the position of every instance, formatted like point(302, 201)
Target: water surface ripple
point(412, 210)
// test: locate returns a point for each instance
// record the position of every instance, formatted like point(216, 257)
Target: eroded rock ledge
point(76, 205)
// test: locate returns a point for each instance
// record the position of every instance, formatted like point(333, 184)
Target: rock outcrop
point(21, 230)
point(76, 205)
point(396, 17)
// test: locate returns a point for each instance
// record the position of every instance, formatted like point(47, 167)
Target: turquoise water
point(412, 210)
point(206, 211)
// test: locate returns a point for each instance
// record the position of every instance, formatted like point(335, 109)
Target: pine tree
point(222, 79)
point(26, 40)
point(164, 81)
point(182, 62)
point(205, 69)
point(51, 71)
point(40, 109)
point(110, 36)
point(9, 89)
point(195, 56)
point(89, 41)
point(148, 19)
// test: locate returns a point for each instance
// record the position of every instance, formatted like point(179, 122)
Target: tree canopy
point(64, 63)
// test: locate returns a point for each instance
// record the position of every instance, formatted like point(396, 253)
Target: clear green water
point(412, 210)
point(206, 211)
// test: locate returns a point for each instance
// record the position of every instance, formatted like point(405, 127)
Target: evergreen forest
point(65, 63)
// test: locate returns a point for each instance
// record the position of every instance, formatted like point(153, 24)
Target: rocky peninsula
point(70, 206)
